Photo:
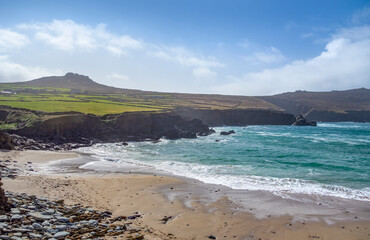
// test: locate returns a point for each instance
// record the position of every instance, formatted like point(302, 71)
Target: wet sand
point(176, 207)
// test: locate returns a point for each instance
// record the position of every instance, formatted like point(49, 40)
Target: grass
point(61, 100)
point(8, 126)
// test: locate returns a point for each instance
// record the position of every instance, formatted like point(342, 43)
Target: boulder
point(6, 141)
point(227, 133)
point(4, 205)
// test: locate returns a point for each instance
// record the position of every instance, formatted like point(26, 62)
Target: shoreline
point(195, 210)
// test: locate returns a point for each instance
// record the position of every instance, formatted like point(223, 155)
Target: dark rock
point(6, 141)
point(227, 133)
point(4, 205)
point(211, 237)
point(301, 121)
point(237, 117)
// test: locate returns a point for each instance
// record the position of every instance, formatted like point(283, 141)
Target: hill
point(75, 92)
point(72, 81)
point(349, 105)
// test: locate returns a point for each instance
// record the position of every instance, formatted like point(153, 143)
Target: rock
point(22, 230)
point(61, 227)
point(6, 141)
point(4, 205)
point(227, 133)
point(37, 226)
point(60, 235)
point(39, 216)
point(3, 218)
point(4, 225)
point(62, 219)
point(16, 217)
point(4, 237)
point(15, 211)
point(50, 211)
point(35, 235)
point(301, 121)
point(211, 237)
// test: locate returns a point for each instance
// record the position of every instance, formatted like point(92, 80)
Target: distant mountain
point(72, 81)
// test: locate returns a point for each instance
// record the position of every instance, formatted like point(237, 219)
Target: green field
point(51, 99)
point(98, 105)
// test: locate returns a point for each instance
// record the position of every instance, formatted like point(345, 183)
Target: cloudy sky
point(230, 47)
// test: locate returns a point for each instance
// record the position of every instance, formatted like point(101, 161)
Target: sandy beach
point(170, 207)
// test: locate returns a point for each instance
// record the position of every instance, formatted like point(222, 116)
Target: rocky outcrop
point(4, 205)
point(87, 129)
point(227, 132)
point(301, 121)
point(237, 117)
point(6, 141)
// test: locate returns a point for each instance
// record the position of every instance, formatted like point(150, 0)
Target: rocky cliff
point(238, 117)
point(346, 116)
point(84, 128)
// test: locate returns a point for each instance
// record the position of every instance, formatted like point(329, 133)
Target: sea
point(332, 159)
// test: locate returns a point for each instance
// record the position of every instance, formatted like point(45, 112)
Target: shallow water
point(332, 159)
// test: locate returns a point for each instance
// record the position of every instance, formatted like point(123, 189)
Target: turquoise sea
point(332, 159)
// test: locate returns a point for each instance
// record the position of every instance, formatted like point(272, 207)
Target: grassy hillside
point(74, 92)
point(50, 94)
point(335, 101)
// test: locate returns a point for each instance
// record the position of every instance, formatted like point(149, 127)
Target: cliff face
point(81, 128)
point(347, 116)
point(238, 117)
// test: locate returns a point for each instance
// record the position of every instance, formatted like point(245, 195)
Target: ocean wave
point(250, 160)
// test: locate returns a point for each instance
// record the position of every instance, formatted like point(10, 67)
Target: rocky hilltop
point(73, 81)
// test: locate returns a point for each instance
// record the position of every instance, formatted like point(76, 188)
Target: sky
point(231, 47)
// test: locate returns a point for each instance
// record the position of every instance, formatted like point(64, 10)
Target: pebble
point(16, 217)
point(40, 218)
point(35, 235)
point(3, 218)
point(60, 235)
point(37, 226)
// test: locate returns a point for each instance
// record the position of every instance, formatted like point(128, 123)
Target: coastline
point(195, 210)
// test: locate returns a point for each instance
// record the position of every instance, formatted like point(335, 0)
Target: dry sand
point(125, 194)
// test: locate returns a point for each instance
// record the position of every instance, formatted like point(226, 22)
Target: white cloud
point(201, 66)
point(68, 35)
point(117, 76)
point(203, 72)
point(10, 40)
point(269, 56)
point(246, 43)
point(14, 72)
point(343, 64)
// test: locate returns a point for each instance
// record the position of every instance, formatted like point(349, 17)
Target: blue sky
point(227, 47)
